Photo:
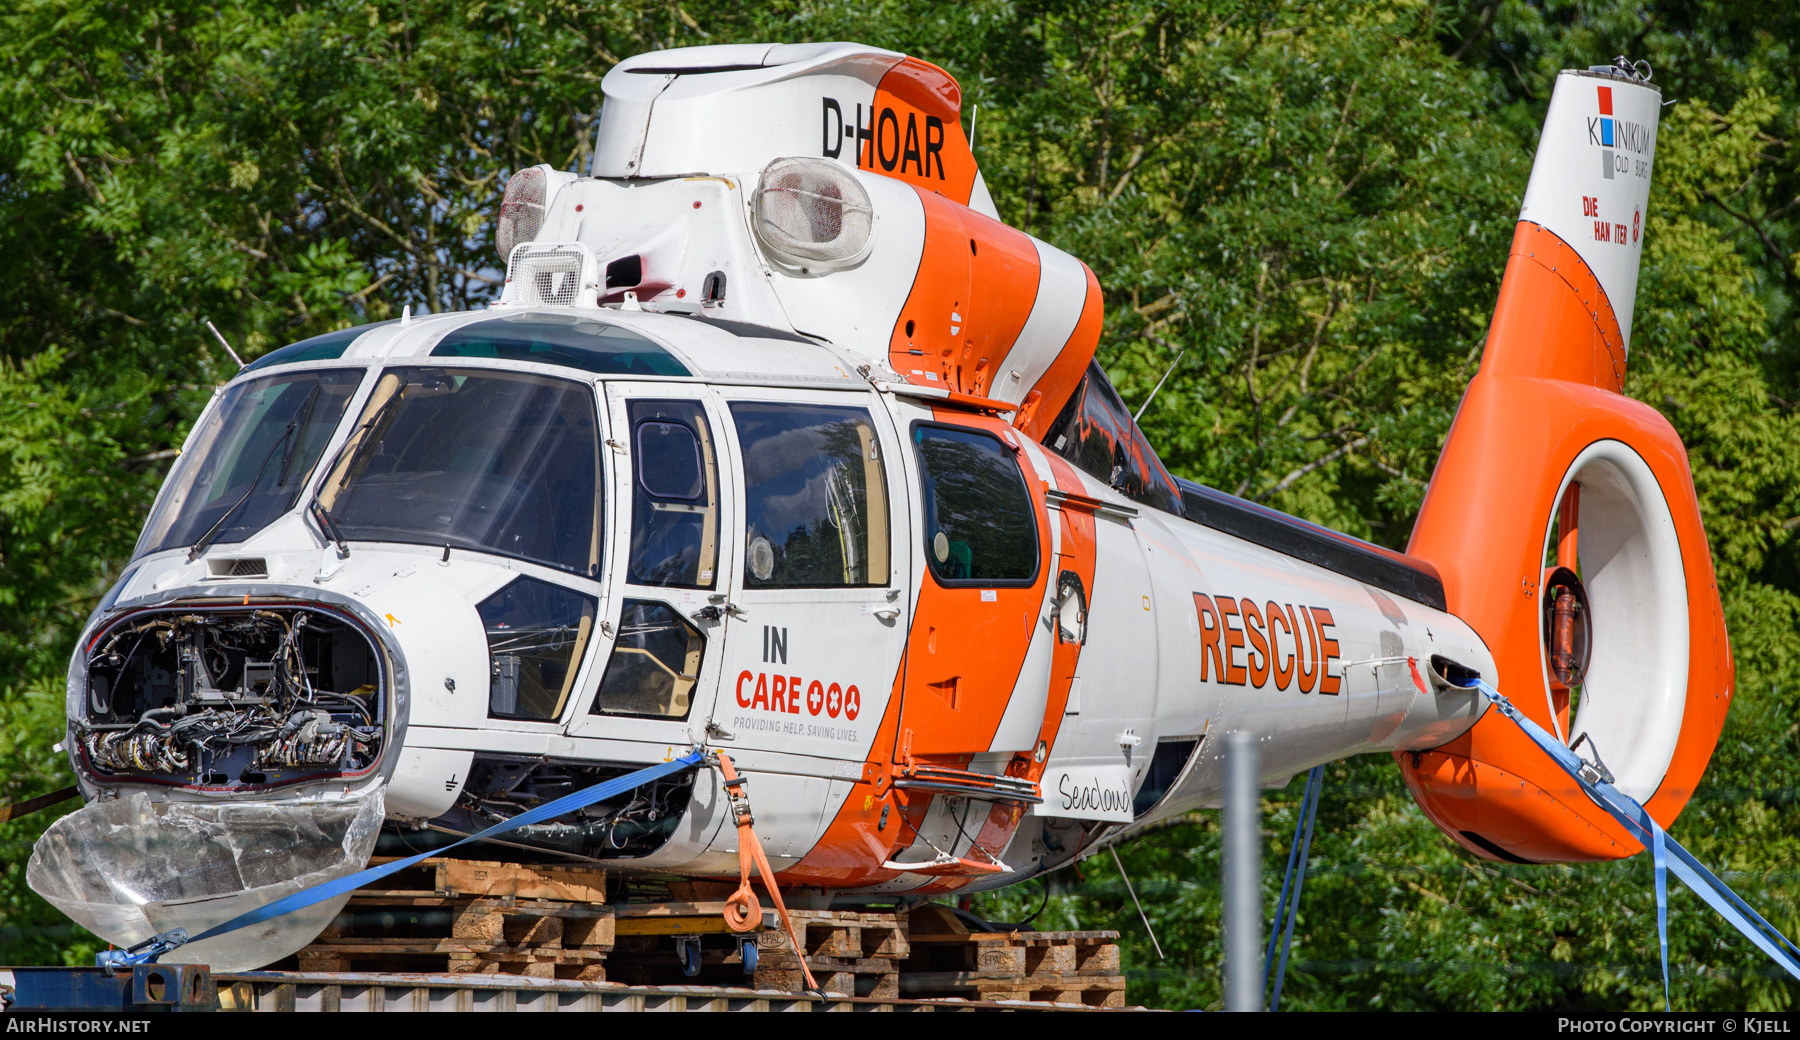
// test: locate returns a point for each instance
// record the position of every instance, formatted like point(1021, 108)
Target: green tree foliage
point(1307, 204)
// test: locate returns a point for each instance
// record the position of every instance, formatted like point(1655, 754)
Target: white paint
point(1570, 193)
point(426, 782)
point(1100, 791)
point(1061, 293)
point(1636, 690)
point(879, 283)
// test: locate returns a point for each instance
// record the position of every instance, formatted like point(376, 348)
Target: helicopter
point(780, 442)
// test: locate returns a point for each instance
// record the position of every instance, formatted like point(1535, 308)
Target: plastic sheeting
point(129, 869)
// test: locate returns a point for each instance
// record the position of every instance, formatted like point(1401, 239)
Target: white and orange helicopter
point(780, 443)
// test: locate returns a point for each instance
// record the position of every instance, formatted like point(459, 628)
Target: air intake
point(242, 567)
point(552, 274)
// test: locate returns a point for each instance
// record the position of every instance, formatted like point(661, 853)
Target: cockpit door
point(817, 585)
point(982, 598)
point(662, 624)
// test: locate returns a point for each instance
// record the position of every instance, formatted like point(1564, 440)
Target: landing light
point(812, 214)
point(521, 210)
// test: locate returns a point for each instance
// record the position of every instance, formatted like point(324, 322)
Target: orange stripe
point(926, 103)
point(964, 653)
point(1052, 391)
point(927, 336)
point(1553, 320)
point(1004, 277)
point(1076, 552)
point(855, 845)
point(973, 292)
point(963, 658)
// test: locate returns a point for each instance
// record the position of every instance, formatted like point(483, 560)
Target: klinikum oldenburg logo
point(1617, 138)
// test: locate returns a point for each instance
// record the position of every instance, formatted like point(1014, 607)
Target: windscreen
point(250, 459)
point(479, 459)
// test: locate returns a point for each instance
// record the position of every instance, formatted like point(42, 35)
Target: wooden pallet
point(849, 952)
point(471, 878)
point(851, 934)
point(1064, 967)
point(454, 956)
point(1106, 991)
point(496, 935)
point(857, 954)
point(469, 916)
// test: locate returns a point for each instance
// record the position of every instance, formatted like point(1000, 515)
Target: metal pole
point(1242, 875)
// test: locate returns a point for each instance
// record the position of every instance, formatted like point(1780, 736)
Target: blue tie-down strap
point(154, 947)
point(1286, 908)
point(1666, 853)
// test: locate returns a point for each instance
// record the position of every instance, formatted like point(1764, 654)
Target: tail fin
point(1622, 606)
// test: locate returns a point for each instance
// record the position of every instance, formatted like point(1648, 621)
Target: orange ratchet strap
point(742, 912)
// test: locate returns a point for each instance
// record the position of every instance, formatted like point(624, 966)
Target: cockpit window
point(501, 461)
point(815, 496)
point(250, 459)
point(550, 339)
point(654, 665)
point(675, 496)
point(1096, 432)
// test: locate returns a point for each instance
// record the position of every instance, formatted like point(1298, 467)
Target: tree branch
point(1749, 222)
point(1487, 19)
point(1324, 460)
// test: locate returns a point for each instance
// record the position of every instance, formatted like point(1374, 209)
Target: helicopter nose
point(246, 697)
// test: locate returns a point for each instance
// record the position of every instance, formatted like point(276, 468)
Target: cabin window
point(499, 461)
point(328, 347)
point(675, 495)
point(815, 496)
point(536, 634)
point(980, 525)
point(654, 665)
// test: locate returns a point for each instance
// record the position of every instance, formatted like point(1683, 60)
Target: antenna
point(1159, 385)
point(973, 116)
point(222, 342)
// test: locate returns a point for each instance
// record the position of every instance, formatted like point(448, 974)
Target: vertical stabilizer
point(1624, 597)
point(1580, 235)
point(1590, 184)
